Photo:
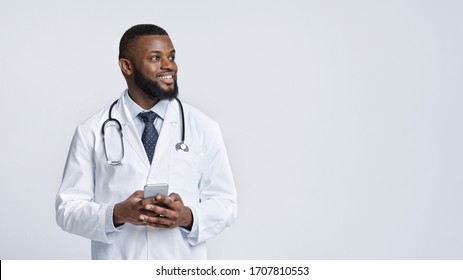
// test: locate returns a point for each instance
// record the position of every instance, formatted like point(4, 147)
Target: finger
point(158, 222)
point(162, 201)
point(165, 201)
point(171, 214)
point(147, 220)
point(151, 210)
point(175, 197)
point(151, 200)
point(157, 206)
point(138, 194)
point(149, 213)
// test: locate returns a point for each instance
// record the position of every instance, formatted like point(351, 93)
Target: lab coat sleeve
point(76, 212)
point(217, 208)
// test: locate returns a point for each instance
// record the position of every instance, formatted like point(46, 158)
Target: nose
point(168, 64)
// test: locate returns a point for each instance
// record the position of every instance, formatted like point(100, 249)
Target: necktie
point(150, 135)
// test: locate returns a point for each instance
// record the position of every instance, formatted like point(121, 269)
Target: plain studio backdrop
point(342, 119)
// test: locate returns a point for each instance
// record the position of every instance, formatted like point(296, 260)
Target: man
point(101, 194)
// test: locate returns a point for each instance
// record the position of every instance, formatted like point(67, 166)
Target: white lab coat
point(202, 177)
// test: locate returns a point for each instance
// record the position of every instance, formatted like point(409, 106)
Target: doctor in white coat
point(104, 202)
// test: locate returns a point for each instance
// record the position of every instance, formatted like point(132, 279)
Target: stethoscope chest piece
point(182, 146)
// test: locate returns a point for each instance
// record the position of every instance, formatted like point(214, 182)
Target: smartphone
point(151, 190)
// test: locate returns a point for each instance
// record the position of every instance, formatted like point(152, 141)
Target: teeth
point(166, 77)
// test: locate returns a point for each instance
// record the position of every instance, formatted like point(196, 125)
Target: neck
point(142, 99)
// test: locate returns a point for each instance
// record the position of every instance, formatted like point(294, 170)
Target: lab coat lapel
point(166, 144)
point(129, 131)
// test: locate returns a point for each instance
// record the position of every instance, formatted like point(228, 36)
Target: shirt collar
point(159, 108)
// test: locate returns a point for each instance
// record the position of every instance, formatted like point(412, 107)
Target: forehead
point(151, 43)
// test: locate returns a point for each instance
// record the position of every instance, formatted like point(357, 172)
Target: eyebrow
point(160, 52)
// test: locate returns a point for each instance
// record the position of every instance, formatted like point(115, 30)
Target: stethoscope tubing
point(179, 146)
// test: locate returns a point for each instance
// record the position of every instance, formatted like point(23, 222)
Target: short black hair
point(136, 31)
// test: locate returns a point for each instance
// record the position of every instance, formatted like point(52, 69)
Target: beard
point(152, 88)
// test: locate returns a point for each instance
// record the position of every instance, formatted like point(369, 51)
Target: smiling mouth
point(167, 79)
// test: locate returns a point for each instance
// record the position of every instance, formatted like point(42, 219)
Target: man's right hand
point(129, 210)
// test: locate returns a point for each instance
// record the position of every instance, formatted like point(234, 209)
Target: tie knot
point(147, 117)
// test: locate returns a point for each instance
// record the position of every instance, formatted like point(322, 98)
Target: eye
point(155, 58)
point(172, 57)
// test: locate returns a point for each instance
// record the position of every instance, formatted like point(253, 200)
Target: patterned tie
point(150, 134)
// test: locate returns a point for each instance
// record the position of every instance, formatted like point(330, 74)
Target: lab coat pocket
point(184, 176)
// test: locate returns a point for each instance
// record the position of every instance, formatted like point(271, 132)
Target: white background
point(342, 119)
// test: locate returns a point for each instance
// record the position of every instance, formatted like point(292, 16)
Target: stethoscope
point(180, 146)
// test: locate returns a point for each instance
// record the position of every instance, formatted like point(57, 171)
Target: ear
point(126, 66)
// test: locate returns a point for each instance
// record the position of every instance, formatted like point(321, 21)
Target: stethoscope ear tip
point(182, 146)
